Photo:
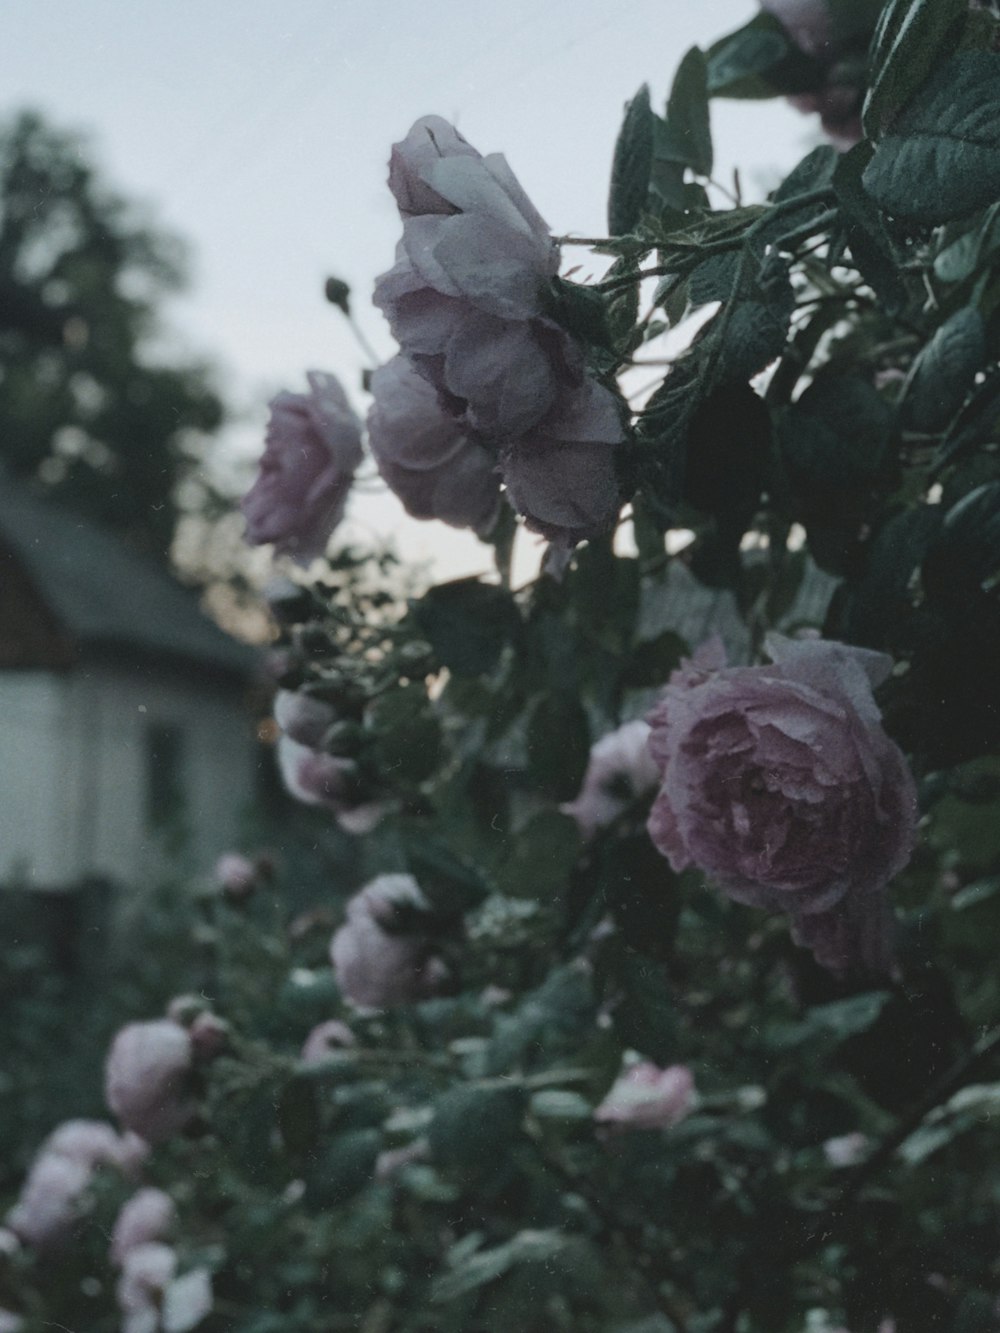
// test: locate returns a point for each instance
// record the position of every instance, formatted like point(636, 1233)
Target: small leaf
point(688, 130)
point(760, 60)
point(871, 246)
point(475, 1125)
point(631, 166)
point(941, 158)
point(943, 374)
point(468, 623)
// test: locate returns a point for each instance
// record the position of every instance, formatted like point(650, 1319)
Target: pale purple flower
point(147, 1078)
point(51, 1200)
point(562, 475)
point(378, 963)
point(311, 450)
point(435, 465)
point(324, 1039)
point(153, 1299)
point(316, 778)
point(92, 1142)
point(465, 299)
point(620, 770)
point(847, 1149)
point(779, 783)
point(303, 717)
point(647, 1097)
point(148, 1216)
point(236, 873)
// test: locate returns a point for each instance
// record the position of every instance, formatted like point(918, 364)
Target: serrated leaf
point(941, 158)
point(631, 165)
point(760, 60)
point(474, 1125)
point(836, 435)
point(688, 129)
point(943, 374)
point(911, 40)
point(871, 246)
point(468, 623)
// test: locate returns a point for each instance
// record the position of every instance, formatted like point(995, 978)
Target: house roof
point(102, 595)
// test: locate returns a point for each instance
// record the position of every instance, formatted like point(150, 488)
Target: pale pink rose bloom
point(375, 963)
point(562, 474)
point(620, 770)
point(647, 1097)
point(324, 1039)
point(92, 1142)
point(847, 1149)
point(147, 1078)
point(316, 778)
point(148, 1216)
point(236, 873)
point(779, 783)
point(153, 1299)
point(311, 451)
point(303, 717)
point(51, 1200)
point(435, 465)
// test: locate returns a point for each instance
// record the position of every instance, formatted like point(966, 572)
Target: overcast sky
point(259, 130)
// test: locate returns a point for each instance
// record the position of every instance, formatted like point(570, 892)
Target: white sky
point(259, 130)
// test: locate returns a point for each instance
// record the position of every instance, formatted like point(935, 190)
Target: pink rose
point(153, 1299)
point(779, 783)
point(147, 1078)
point(376, 960)
point(51, 1200)
point(148, 1216)
point(237, 874)
point(562, 475)
point(465, 298)
point(647, 1097)
point(620, 770)
point(303, 717)
point(433, 463)
point(316, 778)
point(324, 1039)
point(311, 450)
point(838, 102)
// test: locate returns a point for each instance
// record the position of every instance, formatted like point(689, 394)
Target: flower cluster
point(313, 775)
point(512, 395)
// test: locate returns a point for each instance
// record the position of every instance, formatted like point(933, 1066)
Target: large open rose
point(780, 784)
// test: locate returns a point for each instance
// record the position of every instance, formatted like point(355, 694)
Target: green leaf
point(843, 1018)
point(338, 293)
point(836, 435)
point(911, 40)
point(646, 1016)
point(298, 1115)
point(582, 311)
point(688, 129)
point(760, 60)
point(871, 246)
point(475, 1125)
point(468, 623)
point(542, 857)
point(941, 158)
point(880, 602)
point(558, 744)
point(407, 733)
point(961, 255)
point(471, 1271)
point(943, 374)
point(631, 166)
point(967, 550)
point(342, 1168)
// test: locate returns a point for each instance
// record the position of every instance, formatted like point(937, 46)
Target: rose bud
point(377, 965)
point(647, 1097)
point(51, 1200)
point(303, 717)
point(153, 1299)
point(317, 778)
point(148, 1077)
point(237, 874)
point(779, 783)
point(619, 772)
point(311, 451)
point(324, 1039)
point(148, 1216)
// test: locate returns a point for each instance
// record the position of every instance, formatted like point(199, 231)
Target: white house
point(127, 744)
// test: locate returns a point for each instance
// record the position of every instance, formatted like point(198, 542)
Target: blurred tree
point(90, 406)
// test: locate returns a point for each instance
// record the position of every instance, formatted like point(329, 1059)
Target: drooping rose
point(147, 1078)
point(779, 783)
point(324, 1039)
point(435, 465)
point(311, 451)
point(153, 1299)
point(465, 299)
point(562, 476)
point(647, 1097)
point(148, 1216)
point(316, 778)
point(619, 771)
point(377, 960)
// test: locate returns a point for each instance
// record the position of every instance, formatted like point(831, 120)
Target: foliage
point(829, 440)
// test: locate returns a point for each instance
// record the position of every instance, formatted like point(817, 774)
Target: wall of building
point(122, 770)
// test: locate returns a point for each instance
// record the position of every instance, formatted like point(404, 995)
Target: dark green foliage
point(633, 161)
